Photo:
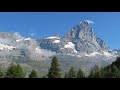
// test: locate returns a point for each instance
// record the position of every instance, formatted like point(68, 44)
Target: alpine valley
point(79, 48)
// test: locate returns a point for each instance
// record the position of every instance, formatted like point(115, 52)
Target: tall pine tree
point(1, 73)
point(80, 74)
point(97, 73)
point(71, 73)
point(33, 74)
point(15, 71)
point(54, 71)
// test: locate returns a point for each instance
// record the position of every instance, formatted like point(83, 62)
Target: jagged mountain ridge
point(84, 38)
point(81, 39)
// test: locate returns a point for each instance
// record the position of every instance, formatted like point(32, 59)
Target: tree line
point(16, 71)
point(111, 71)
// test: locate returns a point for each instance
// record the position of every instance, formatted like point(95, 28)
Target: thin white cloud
point(32, 34)
point(90, 21)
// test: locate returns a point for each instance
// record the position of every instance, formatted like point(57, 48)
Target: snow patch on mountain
point(95, 53)
point(53, 37)
point(19, 40)
point(104, 53)
point(92, 54)
point(107, 54)
point(23, 39)
point(75, 51)
point(27, 39)
point(56, 41)
point(44, 52)
point(70, 45)
point(3, 47)
point(79, 56)
point(87, 55)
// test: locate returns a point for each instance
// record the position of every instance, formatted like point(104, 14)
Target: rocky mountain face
point(80, 40)
point(79, 47)
point(84, 38)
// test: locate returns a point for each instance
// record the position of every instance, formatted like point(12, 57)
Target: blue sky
point(44, 24)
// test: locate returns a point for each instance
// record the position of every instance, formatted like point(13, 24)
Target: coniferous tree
point(91, 74)
point(96, 73)
point(108, 73)
point(117, 62)
point(1, 73)
point(80, 74)
point(44, 76)
point(71, 73)
point(15, 71)
point(115, 72)
point(33, 74)
point(54, 71)
point(66, 75)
